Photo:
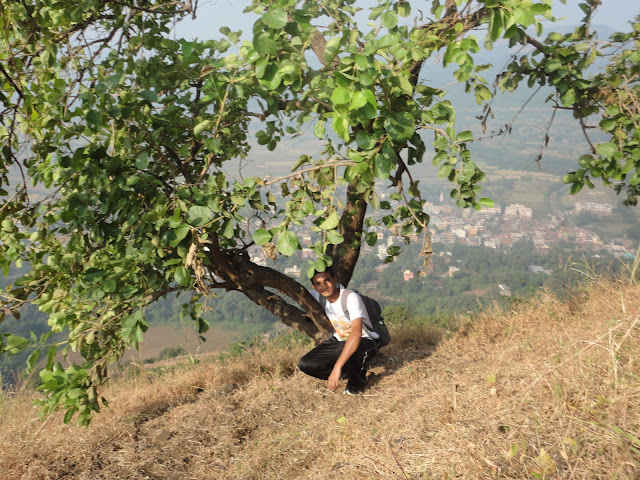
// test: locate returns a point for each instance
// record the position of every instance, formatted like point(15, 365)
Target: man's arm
point(350, 346)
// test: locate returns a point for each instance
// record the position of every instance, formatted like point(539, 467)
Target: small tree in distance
point(129, 133)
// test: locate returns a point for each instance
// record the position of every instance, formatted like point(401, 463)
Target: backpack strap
point(343, 300)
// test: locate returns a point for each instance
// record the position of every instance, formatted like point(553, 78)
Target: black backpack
point(374, 311)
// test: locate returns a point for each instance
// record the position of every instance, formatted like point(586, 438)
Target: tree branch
point(311, 169)
point(187, 8)
point(532, 41)
point(10, 80)
point(241, 274)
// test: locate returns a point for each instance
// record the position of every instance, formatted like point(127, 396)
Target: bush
point(171, 352)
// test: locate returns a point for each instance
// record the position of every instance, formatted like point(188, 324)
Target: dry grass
point(549, 390)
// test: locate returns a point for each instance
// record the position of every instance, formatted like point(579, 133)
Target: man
point(348, 352)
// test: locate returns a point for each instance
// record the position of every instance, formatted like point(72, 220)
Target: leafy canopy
point(116, 141)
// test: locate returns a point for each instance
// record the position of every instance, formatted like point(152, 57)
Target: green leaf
point(261, 236)
point(576, 187)
point(465, 136)
point(214, 145)
point(523, 16)
point(227, 228)
point(51, 355)
point(94, 118)
point(14, 344)
point(331, 50)
point(389, 19)
point(114, 80)
point(69, 415)
point(199, 215)
point(201, 127)
point(262, 137)
point(496, 24)
point(608, 124)
point(142, 161)
point(261, 66)
point(272, 77)
point(404, 9)
point(381, 166)
point(486, 202)
point(31, 361)
point(400, 126)
point(276, 18)
point(176, 235)
point(482, 93)
point(371, 98)
point(607, 149)
point(76, 393)
point(110, 285)
point(451, 54)
point(182, 276)
point(319, 129)
point(334, 238)
point(341, 126)
point(359, 100)
point(403, 84)
point(287, 243)
point(330, 222)
point(301, 161)
point(371, 238)
point(365, 140)
point(341, 95)
point(149, 95)
point(444, 170)
point(568, 98)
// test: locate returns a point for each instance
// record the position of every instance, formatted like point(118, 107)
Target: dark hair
point(328, 270)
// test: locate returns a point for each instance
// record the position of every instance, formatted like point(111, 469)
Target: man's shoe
point(351, 390)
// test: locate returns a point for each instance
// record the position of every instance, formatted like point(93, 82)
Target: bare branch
point(312, 169)
point(187, 8)
point(10, 80)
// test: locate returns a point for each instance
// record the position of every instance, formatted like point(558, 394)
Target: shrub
point(171, 352)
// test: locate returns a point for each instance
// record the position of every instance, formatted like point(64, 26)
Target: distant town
point(497, 227)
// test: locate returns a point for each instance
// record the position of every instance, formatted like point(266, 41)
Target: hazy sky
point(213, 14)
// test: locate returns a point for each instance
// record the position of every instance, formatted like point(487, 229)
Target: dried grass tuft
point(548, 390)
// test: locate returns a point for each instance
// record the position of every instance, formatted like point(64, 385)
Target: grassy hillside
point(548, 390)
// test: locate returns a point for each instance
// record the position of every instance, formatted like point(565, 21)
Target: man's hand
point(334, 378)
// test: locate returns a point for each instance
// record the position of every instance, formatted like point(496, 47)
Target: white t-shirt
point(341, 322)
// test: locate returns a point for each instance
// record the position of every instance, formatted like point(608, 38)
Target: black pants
point(320, 361)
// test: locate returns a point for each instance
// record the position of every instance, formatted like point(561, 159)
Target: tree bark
point(345, 256)
point(239, 273)
point(288, 314)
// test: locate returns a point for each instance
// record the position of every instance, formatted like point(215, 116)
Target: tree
point(126, 133)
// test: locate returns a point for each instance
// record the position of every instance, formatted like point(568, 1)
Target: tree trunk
point(345, 256)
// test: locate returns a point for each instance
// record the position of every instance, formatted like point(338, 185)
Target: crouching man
point(348, 352)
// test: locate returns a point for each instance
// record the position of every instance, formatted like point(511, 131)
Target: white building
point(292, 271)
point(592, 207)
point(497, 210)
point(517, 210)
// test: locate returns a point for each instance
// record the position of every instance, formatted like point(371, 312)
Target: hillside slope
point(548, 390)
